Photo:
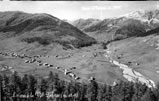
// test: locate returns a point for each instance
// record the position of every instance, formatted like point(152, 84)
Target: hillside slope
point(43, 35)
point(83, 24)
point(42, 28)
point(140, 53)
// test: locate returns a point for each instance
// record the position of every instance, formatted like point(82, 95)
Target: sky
point(72, 10)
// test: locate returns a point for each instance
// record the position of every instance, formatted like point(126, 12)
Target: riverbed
point(129, 73)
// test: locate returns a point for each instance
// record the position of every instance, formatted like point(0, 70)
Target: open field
point(89, 61)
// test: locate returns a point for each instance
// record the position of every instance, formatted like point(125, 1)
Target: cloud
point(101, 8)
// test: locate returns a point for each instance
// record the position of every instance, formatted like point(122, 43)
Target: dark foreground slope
point(52, 89)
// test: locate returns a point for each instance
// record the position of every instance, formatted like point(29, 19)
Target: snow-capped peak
point(136, 14)
point(144, 16)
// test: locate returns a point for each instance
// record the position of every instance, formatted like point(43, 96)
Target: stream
point(129, 73)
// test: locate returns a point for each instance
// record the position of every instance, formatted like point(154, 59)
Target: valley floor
point(92, 61)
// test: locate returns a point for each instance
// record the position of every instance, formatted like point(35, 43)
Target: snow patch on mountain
point(151, 17)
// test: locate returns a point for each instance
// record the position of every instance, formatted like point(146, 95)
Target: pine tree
point(25, 81)
point(42, 86)
point(61, 88)
point(67, 91)
point(129, 91)
point(56, 78)
point(149, 96)
point(56, 84)
point(117, 91)
point(156, 91)
point(6, 88)
point(51, 77)
point(92, 91)
point(77, 86)
point(82, 92)
point(32, 82)
point(102, 93)
point(139, 90)
point(109, 93)
point(15, 83)
point(50, 80)
point(1, 91)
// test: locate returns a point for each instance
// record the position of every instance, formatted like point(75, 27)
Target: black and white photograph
point(79, 50)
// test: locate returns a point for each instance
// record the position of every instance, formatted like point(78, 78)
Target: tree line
point(30, 88)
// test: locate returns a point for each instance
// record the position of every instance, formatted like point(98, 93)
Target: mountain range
point(128, 25)
point(130, 39)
